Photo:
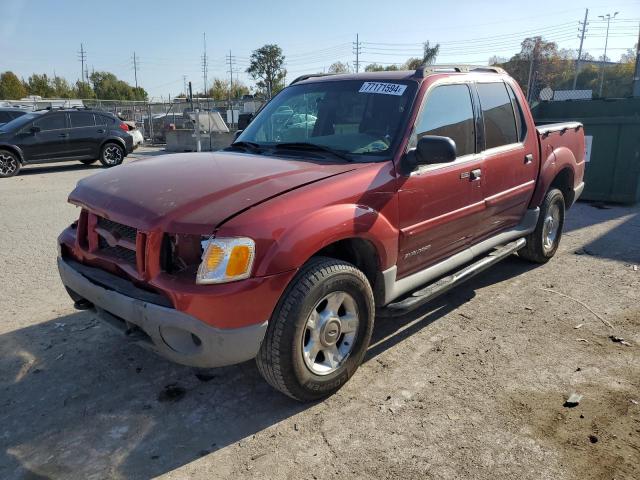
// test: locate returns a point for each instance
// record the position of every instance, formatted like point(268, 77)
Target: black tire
point(9, 164)
point(281, 360)
point(540, 247)
point(111, 155)
point(89, 162)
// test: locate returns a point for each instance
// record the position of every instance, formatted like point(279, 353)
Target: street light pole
point(608, 17)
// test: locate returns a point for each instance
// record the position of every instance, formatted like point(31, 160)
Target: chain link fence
point(564, 79)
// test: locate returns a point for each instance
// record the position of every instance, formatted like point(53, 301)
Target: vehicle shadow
point(57, 168)
point(614, 242)
point(76, 401)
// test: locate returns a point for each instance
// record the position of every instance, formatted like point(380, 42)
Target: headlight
point(225, 260)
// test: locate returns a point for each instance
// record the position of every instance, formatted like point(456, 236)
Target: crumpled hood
point(193, 192)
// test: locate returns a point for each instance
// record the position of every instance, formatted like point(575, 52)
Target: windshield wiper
point(313, 147)
point(248, 146)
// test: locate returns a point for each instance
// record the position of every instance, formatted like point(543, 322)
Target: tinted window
point(5, 117)
point(448, 113)
point(521, 124)
point(497, 110)
point(81, 119)
point(104, 120)
point(53, 121)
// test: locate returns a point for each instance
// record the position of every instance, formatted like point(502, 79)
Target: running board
point(443, 285)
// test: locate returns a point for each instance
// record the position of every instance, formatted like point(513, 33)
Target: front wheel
point(9, 164)
point(543, 242)
point(111, 155)
point(319, 332)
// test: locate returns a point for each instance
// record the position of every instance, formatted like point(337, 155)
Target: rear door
point(442, 204)
point(510, 158)
point(83, 134)
point(50, 143)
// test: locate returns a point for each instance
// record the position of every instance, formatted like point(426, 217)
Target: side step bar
point(428, 293)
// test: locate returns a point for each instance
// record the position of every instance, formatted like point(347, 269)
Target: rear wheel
point(9, 164)
point(543, 242)
point(319, 332)
point(111, 155)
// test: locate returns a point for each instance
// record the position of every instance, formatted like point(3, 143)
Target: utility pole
point(82, 56)
point(357, 45)
point(583, 30)
point(231, 59)
point(184, 81)
point(636, 76)
point(135, 68)
point(205, 66)
point(608, 17)
point(531, 80)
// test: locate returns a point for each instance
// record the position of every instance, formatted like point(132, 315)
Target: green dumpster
point(612, 130)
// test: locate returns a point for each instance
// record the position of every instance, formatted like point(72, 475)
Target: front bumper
point(171, 333)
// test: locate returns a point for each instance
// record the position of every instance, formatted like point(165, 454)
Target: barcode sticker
point(382, 88)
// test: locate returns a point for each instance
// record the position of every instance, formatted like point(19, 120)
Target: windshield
point(19, 122)
point(352, 116)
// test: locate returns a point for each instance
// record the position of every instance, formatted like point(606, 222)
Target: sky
point(167, 36)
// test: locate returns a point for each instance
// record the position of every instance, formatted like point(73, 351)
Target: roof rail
point(424, 70)
point(310, 75)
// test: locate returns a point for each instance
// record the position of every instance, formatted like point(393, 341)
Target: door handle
point(101, 131)
point(475, 174)
point(63, 135)
point(528, 158)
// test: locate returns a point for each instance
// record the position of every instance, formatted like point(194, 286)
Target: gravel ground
point(471, 386)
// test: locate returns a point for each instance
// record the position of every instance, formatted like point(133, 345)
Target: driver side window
point(448, 112)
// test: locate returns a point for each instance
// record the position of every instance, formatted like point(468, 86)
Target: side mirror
point(431, 149)
point(34, 129)
point(237, 134)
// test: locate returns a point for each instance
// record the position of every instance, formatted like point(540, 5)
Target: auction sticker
point(382, 88)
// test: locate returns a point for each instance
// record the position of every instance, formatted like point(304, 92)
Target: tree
point(220, 90)
point(339, 67)
point(412, 63)
point(11, 88)
point(375, 67)
point(61, 88)
point(496, 60)
point(430, 53)
point(108, 87)
point(266, 66)
point(83, 90)
point(40, 85)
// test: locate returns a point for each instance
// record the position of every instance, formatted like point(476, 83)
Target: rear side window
point(497, 110)
point(521, 124)
point(5, 117)
point(81, 119)
point(448, 112)
point(104, 120)
point(54, 121)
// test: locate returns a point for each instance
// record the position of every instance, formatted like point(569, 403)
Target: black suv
point(61, 135)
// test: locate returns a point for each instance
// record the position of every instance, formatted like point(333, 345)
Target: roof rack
point(310, 75)
point(424, 70)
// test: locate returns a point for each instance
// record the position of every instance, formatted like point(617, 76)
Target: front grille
point(122, 231)
point(116, 240)
point(118, 252)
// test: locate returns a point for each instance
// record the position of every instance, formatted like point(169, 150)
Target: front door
point(50, 142)
point(510, 158)
point(441, 204)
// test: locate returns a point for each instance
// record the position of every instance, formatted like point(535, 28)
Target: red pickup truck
point(345, 194)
